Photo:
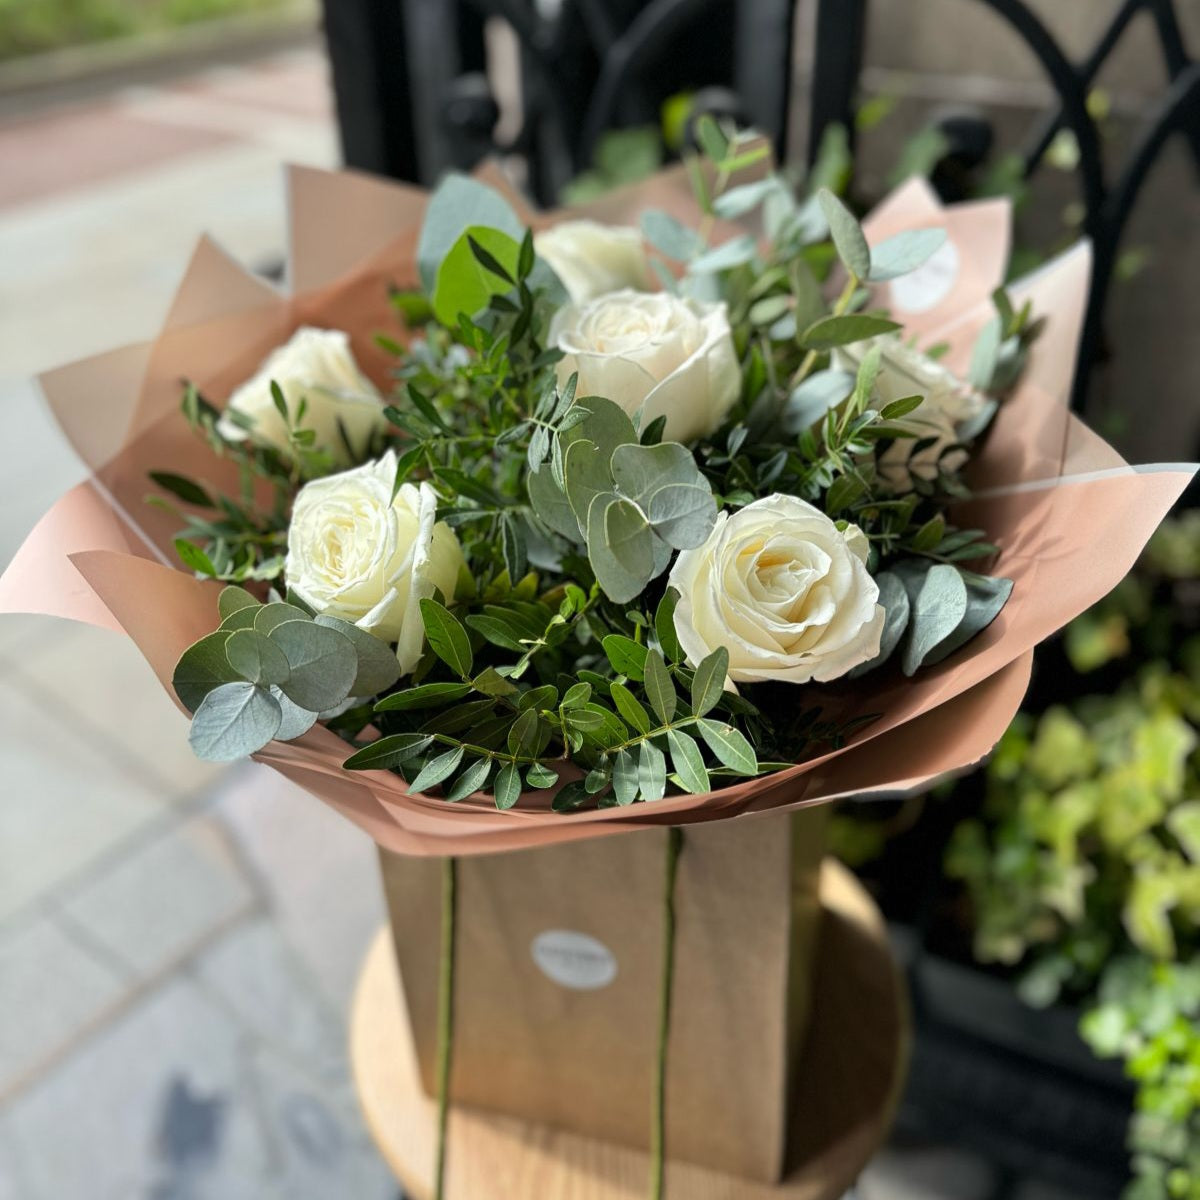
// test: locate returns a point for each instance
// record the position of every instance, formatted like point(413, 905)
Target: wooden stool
point(849, 1078)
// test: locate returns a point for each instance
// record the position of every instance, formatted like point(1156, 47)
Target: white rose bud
point(355, 552)
point(652, 354)
point(318, 365)
point(784, 590)
point(949, 403)
point(592, 259)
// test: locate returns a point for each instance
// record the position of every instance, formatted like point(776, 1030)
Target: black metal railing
point(414, 97)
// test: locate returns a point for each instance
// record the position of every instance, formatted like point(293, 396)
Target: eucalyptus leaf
point(639, 471)
point(985, 353)
point(606, 424)
point(586, 476)
point(296, 721)
point(550, 504)
point(986, 596)
point(683, 514)
point(270, 615)
point(938, 607)
point(256, 658)
point(201, 668)
point(742, 199)
point(669, 236)
point(734, 253)
point(814, 397)
point(893, 597)
point(234, 721)
point(378, 667)
point(829, 332)
point(619, 547)
point(847, 234)
point(234, 598)
point(904, 252)
point(322, 662)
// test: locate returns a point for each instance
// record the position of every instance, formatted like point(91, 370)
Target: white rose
point(949, 403)
point(318, 366)
point(592, 259)
point(783, 589)
point(355, 552)
point(652, 354)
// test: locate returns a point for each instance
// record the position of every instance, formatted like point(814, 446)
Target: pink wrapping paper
point(1069, 515)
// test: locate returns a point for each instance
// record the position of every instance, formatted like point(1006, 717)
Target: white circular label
point(930, 283)
point(574, 960)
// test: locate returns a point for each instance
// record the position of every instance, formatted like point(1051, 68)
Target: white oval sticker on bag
point(574, 960)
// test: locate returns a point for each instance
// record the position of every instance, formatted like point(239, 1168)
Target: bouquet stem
point(445, 1020)
point(658, 1098)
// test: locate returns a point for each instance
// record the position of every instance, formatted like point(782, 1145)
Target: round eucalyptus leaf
point(233, 721)
point(585, 476)
point(641, 470)
point(683, 514)
point(323, 664)
point(202, 667)
point(378, 667)
point(607, 425)
point(234, 598)
point(550, 504)
point(270, 615)
point(296, 721)
point(938, 608)
point(256, 658)
point(620, 547)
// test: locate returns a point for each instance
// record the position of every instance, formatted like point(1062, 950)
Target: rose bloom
point(784, 590)
point(949, 403)
point(357, 553)
point(592, 259)
point(318, 365)
point(652, 354)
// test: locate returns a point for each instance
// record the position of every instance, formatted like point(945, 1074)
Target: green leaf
point(847, 234)
point(378, 667)
point(233, 721)
point(194, 558)
point(388, 752)
point(734, 253)
point(664, 626)
point(652, 771)
point(829, 332)
point(630, 707)
point(669, 236)
point(540, 776)
point(688, 762)
point(438, 768)
point(296, 721)
point(576, 696)
point(904, 252)
point(268, 616)
point(549, 502)
point(256, 658)
point(938, 607)
point(729, 745)
point(986, 596)
point(894, 598)
point(711, 138)
point(428, 695)
point(490, 682)
point(464, 283)
point(185, 489)
point(740, 200)
point(570, 797)
point(472, 780)
point(660, 690)
point(683, 514)
point(507, 789)
point(523, 736)
point(627, 656)
point(234, 599)
point(202, 667)
point(457, 204)
point(625, 778)
point(496, 631)
point(708, 683)
point(619, 547)
point(985, 354)
point(607, 425)
point(322, 661)
point(447, 637)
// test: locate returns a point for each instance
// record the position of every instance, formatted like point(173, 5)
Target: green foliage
point(269, 670)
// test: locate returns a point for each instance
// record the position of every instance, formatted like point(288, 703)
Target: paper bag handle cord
point(658, 1104)
point(445, 1020)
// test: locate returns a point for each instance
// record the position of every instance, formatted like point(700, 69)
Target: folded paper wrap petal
point(1069, 515)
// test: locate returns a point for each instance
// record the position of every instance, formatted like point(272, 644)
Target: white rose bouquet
point(687, 513)
point(602, 541)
